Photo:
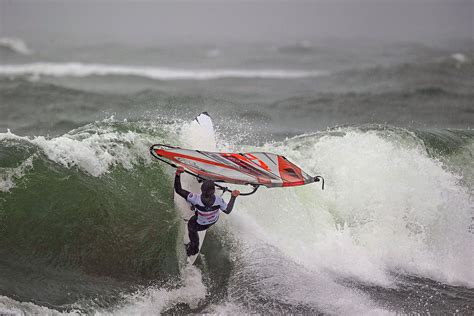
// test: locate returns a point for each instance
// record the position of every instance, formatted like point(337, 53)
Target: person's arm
point(177, 184)
point(230, 205)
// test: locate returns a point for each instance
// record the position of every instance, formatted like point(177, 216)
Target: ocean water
point(87, 220)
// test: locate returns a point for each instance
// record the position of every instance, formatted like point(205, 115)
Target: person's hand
point(235, 193)
point(179, 170)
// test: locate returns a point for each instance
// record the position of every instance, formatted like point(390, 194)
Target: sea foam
point(94, 152)
point(387, 207)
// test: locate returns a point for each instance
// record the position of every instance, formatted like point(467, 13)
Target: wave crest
point(16, 45)
point(74, 69)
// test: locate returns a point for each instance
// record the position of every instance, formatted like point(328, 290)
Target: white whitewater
point(15, 44)
point(76, 69)
point(388, 207)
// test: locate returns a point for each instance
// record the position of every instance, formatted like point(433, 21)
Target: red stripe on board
point(170, 155)
point(292, 184)
point(290, 173)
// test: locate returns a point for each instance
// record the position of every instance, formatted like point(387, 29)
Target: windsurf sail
point(254, 168)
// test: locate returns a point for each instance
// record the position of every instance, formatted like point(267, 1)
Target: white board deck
point(198, 135)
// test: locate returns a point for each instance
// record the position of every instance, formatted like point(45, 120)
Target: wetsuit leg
point(193, 228)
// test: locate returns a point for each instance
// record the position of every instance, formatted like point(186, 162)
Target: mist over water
point(377, 97)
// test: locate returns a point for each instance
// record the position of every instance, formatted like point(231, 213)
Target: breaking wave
point(157, 73)
point(16, 45)
point(397, 204)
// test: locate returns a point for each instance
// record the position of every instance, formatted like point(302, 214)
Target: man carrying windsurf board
point(207, 207)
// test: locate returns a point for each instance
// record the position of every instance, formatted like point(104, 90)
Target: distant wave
point(303, 47)
point(15, 44)
point(461, 58)
point(159, 73)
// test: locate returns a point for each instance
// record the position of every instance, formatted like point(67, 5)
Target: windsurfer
point(206, 205)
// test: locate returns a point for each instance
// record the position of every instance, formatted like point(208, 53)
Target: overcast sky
point(149, 23)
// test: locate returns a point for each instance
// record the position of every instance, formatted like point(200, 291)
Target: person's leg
point(193, 247)
point(193, 227)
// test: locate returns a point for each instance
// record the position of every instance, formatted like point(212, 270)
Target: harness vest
point(206, 215)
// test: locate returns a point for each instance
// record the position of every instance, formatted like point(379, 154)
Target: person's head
point(208, 188)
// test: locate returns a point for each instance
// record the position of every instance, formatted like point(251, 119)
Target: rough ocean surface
point(87, 220)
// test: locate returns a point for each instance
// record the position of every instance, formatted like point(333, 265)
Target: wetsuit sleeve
point(177, 187)
point(230, 205)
